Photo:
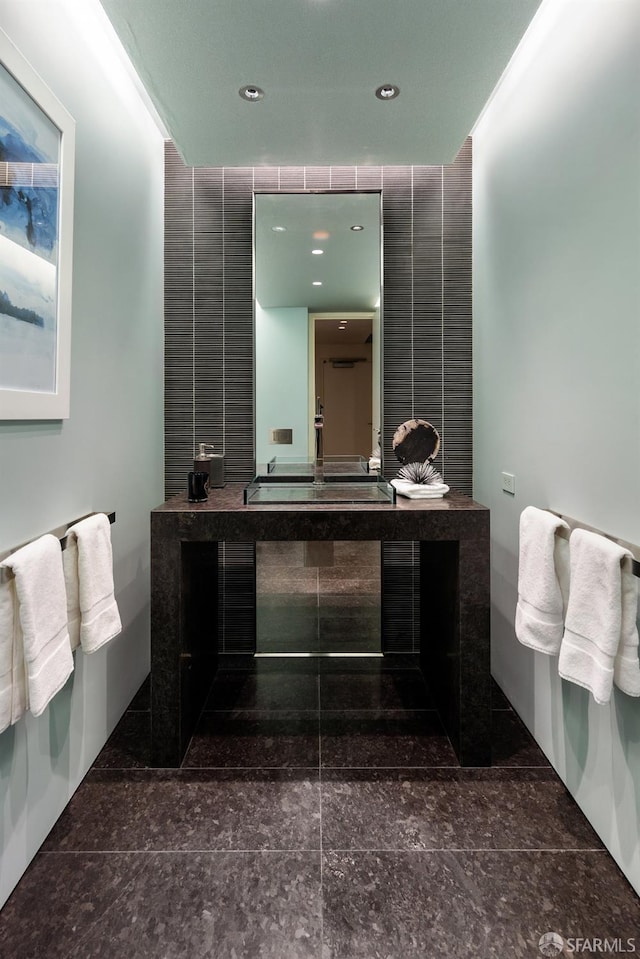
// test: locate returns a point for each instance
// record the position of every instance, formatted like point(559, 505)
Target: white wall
point(282, 380)
point(108, 454)
point(557, 356)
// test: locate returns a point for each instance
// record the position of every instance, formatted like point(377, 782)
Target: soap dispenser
point(206, 461)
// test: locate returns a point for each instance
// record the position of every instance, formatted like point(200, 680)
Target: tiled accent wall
point(209, 338)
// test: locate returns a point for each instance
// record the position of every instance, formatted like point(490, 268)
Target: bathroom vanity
point(453, 533)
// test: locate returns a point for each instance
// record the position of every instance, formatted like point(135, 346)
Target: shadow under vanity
point(454, 600)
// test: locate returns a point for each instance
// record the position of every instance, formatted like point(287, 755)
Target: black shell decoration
point(416, 441)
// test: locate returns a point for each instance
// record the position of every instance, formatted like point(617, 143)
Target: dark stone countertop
point(225, 517)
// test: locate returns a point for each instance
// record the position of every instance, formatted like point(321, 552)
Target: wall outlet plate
point(508, 482)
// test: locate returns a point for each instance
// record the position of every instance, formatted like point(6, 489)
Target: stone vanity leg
point(455, 642)
point(184, 612)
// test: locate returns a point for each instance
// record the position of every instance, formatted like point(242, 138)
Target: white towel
point(40, 637)
point(543, 581)
point(7, 640)
point(600, 642)
point(420, 490)
point(92, 608)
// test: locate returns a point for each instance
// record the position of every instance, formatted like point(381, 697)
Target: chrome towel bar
point(630, 563)
point(59, 531)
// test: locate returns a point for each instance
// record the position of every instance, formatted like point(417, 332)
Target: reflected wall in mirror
point(318, 322)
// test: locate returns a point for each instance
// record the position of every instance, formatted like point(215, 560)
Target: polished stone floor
point(320, 813)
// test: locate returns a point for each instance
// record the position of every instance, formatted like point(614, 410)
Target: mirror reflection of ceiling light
point(317, 252)
point(387, 92)
point(279, 229)
point(251, 93)
point(321, 235)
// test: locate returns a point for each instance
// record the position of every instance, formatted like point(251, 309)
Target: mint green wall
point(108, 455)
point(282, 380)
point(557, 357)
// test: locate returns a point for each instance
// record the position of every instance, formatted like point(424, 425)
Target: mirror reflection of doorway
point(318, 598)
point(343, 381)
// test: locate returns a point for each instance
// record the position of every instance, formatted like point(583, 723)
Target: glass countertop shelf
point(346, 480)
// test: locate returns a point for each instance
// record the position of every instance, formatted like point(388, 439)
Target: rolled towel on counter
point(600, 642)
point(543, 581)
point(420, 490)
point(92, 609)
point(41, 649)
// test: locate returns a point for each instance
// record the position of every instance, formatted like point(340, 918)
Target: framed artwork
point(37, 141)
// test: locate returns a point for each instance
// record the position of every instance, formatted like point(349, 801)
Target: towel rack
point(59, 531)
point(630, 563)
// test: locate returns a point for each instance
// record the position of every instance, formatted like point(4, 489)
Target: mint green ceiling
point(319, 63)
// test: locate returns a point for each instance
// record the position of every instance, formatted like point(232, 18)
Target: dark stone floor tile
point(376, 689)
point(237, 661)
point(451, 809)
point(59, 899)
point(264, 689)
point(368, 664)
point(498, 698)
point(394, 905)
point(222, 905)
point(384, 738)
point(191, 809)
point(129, 746)
point(511, 742)
point(142, 699)
point(254, 738)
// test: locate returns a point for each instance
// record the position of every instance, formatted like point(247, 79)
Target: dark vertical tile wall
point(209, 339)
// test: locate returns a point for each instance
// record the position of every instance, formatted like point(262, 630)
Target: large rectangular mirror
point(318, 322)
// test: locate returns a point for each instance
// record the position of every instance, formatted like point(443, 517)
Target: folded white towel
point(543, 581)
point(420, 490)
point(600, 642)
point(89, 577)
point(39, 627)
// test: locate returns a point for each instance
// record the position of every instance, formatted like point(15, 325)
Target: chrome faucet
point(318, 466)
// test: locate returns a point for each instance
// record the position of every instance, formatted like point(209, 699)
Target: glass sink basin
point(346, 480)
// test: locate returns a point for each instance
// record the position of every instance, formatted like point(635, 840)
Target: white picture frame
point(37, 156)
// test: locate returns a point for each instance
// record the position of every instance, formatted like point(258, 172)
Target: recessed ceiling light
point(357, 228)
point(321, 235)
point(387, 92)
point(317, 283)
point(318, 252)
point(279, 229)
point(251, 93)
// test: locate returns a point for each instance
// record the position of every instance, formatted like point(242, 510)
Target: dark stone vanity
point(454, 595)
